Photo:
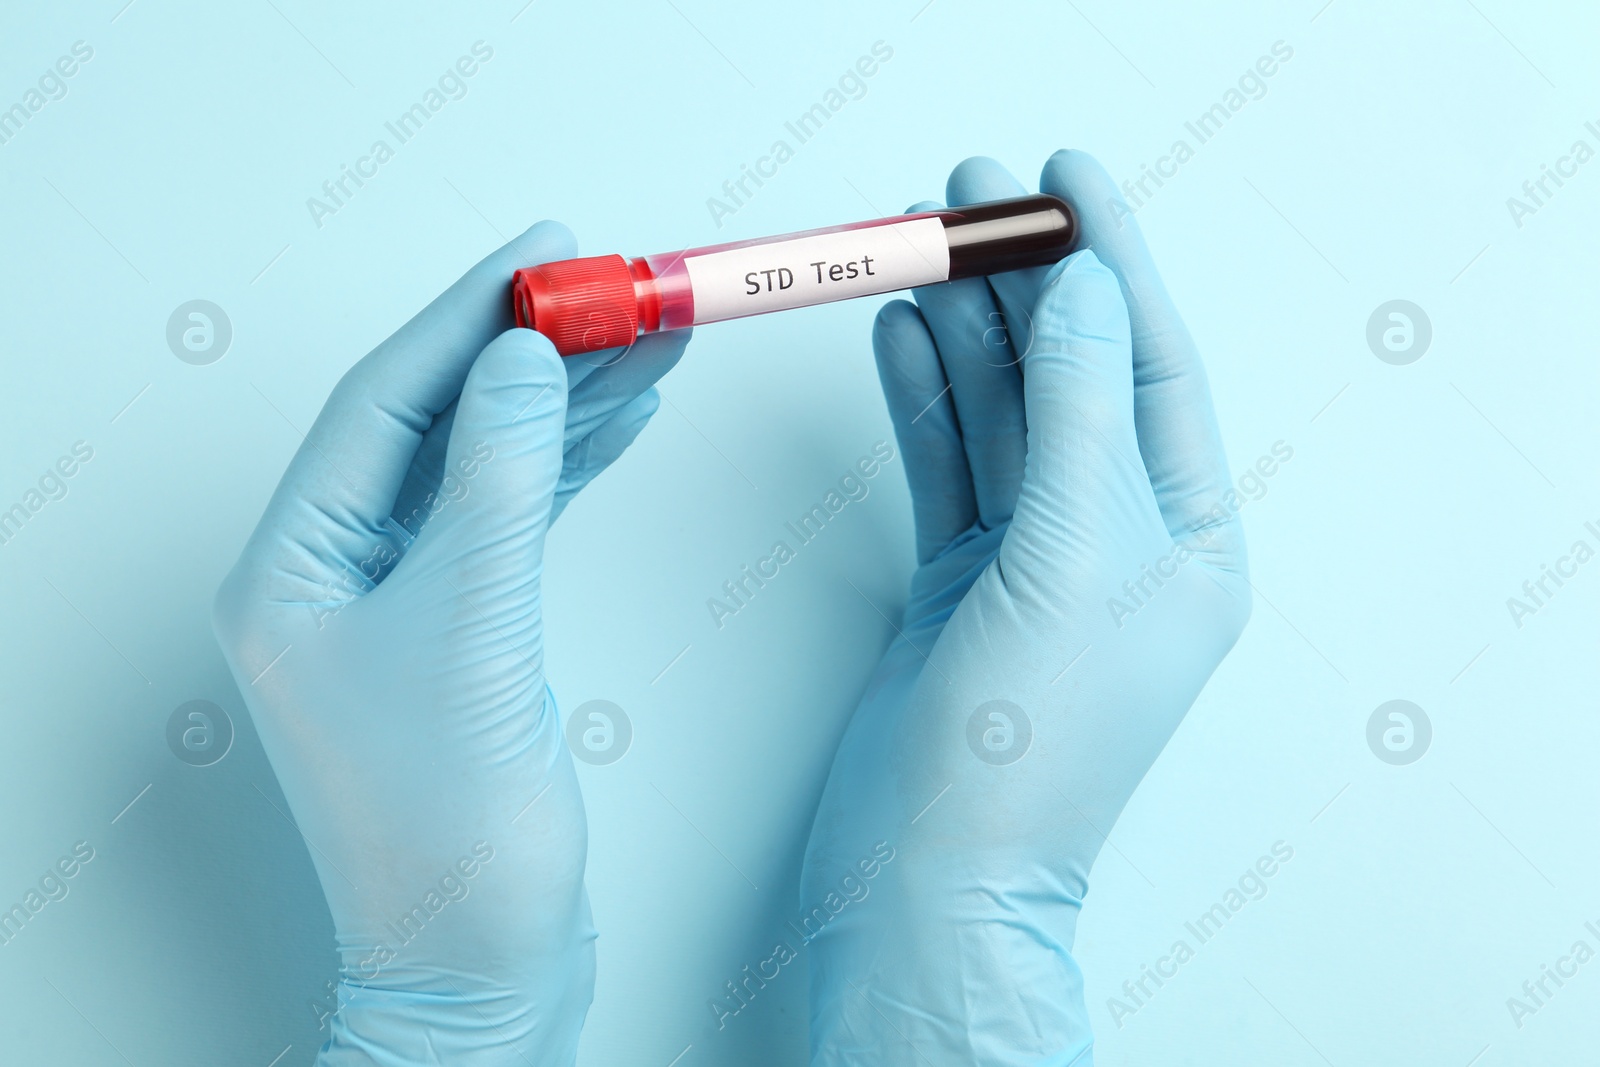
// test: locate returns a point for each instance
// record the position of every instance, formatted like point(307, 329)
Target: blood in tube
point(595, 302)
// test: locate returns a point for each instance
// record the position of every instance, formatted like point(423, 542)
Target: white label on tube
point(796, 273)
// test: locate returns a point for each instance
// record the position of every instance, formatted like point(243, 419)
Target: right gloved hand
point(1079, 578)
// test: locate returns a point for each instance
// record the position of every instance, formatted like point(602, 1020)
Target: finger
point(969, 333)
point(1177, 426)
point(1085, 487)
point(505, 450)
point(597, 386)
point(346, 478)
point(596, 392)
point(602, 447)
point(924, 417)
point(974, 181)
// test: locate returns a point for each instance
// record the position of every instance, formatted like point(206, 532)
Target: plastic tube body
point(584, 305)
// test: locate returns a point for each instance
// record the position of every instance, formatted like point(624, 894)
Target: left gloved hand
point(385, 628)
point(1079, 578)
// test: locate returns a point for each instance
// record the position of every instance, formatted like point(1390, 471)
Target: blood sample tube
point(584, 305)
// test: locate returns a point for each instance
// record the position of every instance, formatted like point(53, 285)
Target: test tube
point(595, 302)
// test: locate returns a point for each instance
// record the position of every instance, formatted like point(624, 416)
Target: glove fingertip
point(546, 240)
point(517, 379)
point(1082, 297)
point(1067, 162)
point(895, 318)
point(1083, 262)
point(642, 408)
point(528, 355)
point(663, 350)
point(980, 178)
point(904, 348)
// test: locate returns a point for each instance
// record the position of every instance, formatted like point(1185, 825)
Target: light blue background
point(1376, 167)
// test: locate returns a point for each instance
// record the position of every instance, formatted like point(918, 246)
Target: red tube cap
point(581, 305)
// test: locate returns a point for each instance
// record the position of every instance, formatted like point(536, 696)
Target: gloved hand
point(384, 626)
point(1080, 575)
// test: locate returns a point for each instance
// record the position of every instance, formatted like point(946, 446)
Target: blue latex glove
point(384, 626)
point(1076, 455)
